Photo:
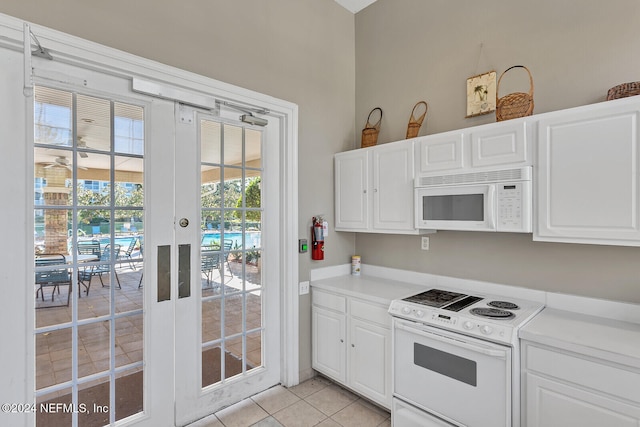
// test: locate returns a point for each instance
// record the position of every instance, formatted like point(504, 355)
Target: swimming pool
point(252, 239)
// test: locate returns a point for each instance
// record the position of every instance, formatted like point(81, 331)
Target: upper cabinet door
point(392, 179)
point(588, 175)
point(500, 144)
point(440, 152)
point(351, 190)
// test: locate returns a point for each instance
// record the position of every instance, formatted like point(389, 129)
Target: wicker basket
point(624, 90)
point(514, 105)
point(371, 131)
point(414, 123)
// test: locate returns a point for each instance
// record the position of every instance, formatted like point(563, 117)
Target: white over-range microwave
point(492, 200)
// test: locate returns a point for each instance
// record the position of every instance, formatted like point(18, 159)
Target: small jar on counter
point(355, 265)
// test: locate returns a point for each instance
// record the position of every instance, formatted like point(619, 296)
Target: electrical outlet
point(425, 244)
point(304, 287)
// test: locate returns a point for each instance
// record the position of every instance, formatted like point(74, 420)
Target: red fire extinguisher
point(317, 239)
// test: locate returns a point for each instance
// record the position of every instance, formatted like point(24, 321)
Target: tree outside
point(253, 199)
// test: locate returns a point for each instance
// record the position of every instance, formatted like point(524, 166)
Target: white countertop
point(374, 289)
point(603, 329)
point(613, 340)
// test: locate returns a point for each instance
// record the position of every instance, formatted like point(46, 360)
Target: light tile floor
point(315, 402)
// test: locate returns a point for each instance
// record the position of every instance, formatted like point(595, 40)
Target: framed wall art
point(481, 94)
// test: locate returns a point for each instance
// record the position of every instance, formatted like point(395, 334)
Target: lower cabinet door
point(554, 404)
point(328, 343)
point(370, 361)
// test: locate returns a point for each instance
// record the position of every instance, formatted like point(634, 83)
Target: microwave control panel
point(512, 207)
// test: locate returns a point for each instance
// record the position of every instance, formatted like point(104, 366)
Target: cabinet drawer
point(330, 301)
point(609, 379)
point(371, 313)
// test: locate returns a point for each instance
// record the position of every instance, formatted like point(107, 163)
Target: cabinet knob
point(364, 191)
point(341, 340)
point(353, 345)
point(375, 190)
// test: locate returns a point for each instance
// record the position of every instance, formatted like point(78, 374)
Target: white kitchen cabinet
point(351, 190)
point(392, 186)
point(567, 389)
point(353, 347)
point(369, 351)
point(502, 144)
point(587, 175)
point(374, 189)
point(440, 152)
point(329, 337)
point(329, 334)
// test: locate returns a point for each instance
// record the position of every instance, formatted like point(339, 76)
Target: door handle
point(184, 271)
point(164, 273)
point(457, 341)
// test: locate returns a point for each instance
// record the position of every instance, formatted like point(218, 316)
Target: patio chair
point(55, 276)
point(227, 245)
point(126, 255)
point(88, 248)
point(103, 267)
point(209, 261)
point(141, 239)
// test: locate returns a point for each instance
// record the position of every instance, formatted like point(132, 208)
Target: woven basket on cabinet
point(624, 90)
point(371, 130)
point(414, 123)
point(514, 105)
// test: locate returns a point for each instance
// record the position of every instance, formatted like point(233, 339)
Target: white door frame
point(15, 268)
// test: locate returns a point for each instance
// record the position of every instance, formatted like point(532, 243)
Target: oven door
point(463, 380)
point(464, 207)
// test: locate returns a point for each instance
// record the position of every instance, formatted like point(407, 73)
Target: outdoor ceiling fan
point(63, 162)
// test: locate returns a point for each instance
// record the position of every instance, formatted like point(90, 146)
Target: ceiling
point(96, 119)
point(354, 6)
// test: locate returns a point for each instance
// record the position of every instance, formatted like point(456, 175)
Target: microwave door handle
point(492, 207)
point(499, 354)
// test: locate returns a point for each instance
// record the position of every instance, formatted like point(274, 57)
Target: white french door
point(102, 213)
point(161, 238)
point(166, 222)
point(227, 325)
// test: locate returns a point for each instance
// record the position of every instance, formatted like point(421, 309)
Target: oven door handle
point(495, 353)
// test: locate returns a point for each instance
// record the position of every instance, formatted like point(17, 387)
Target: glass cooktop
point(435, 297)
point(439, 298)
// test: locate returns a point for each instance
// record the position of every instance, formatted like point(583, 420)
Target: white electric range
point(456, 358)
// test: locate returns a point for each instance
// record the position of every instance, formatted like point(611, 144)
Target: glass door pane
point(89, 246)
point(232, 285)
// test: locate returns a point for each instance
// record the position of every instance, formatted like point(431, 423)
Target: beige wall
point(413, 50)
point(304, 51)
point(298, 50)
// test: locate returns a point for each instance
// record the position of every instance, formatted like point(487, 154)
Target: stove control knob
point(468, 325)
point(419, 313)
point(486, 329)
point(406, 310)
